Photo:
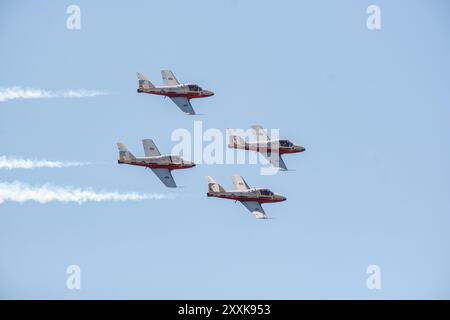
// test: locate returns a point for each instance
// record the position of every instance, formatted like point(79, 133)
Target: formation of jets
point(162, 165)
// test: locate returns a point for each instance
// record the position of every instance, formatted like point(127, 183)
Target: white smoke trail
point(10, 163)
point(11, 93)
point(21, 192)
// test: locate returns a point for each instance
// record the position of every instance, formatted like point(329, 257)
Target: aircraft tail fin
point(234, 140)
point(124, 154)
point(213, 186)
point(143, 82)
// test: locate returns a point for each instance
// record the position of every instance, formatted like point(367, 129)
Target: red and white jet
point(161, 165)
point(179, 93)
point(269, 148)
point(251, 198)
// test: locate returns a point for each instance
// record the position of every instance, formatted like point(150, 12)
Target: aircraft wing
point(150, 148)
point(183, 104)
point(239, 183)
point(275, 160)
point(168, 78)
point(255, 208)
point(260, 133)
point(165, 176)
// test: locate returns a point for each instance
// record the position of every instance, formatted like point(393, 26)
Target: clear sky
point(372, 109)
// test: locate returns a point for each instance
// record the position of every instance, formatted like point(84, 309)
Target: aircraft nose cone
point(210, 93)
point(192, 164)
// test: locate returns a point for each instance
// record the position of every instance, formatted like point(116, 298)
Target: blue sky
point(371, 108)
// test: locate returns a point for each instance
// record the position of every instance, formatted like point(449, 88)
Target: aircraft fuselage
point(268, 147)
point(181, 90)
point(165, 161)
point(250, 195)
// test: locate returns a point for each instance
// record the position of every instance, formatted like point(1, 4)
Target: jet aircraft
point(179, 93)
point(161, 165)
point(251, 198)
point(270, 149)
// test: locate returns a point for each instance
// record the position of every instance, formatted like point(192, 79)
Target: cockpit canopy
point(265, 192)
point(286, 143)
point(194, 87)
point(176, 159)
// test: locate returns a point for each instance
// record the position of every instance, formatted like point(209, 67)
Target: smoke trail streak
point(10, 163)
point(21, 192)
point(11, 93)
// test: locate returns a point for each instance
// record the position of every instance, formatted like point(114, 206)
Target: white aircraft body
point(270, 149)
point(251, 198)
point(179, 93)
point(161, 165)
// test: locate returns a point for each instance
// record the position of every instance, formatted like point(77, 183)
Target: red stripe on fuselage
point(280, 150)
point(239, 198)
point(174, 95)
point(158, 166)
